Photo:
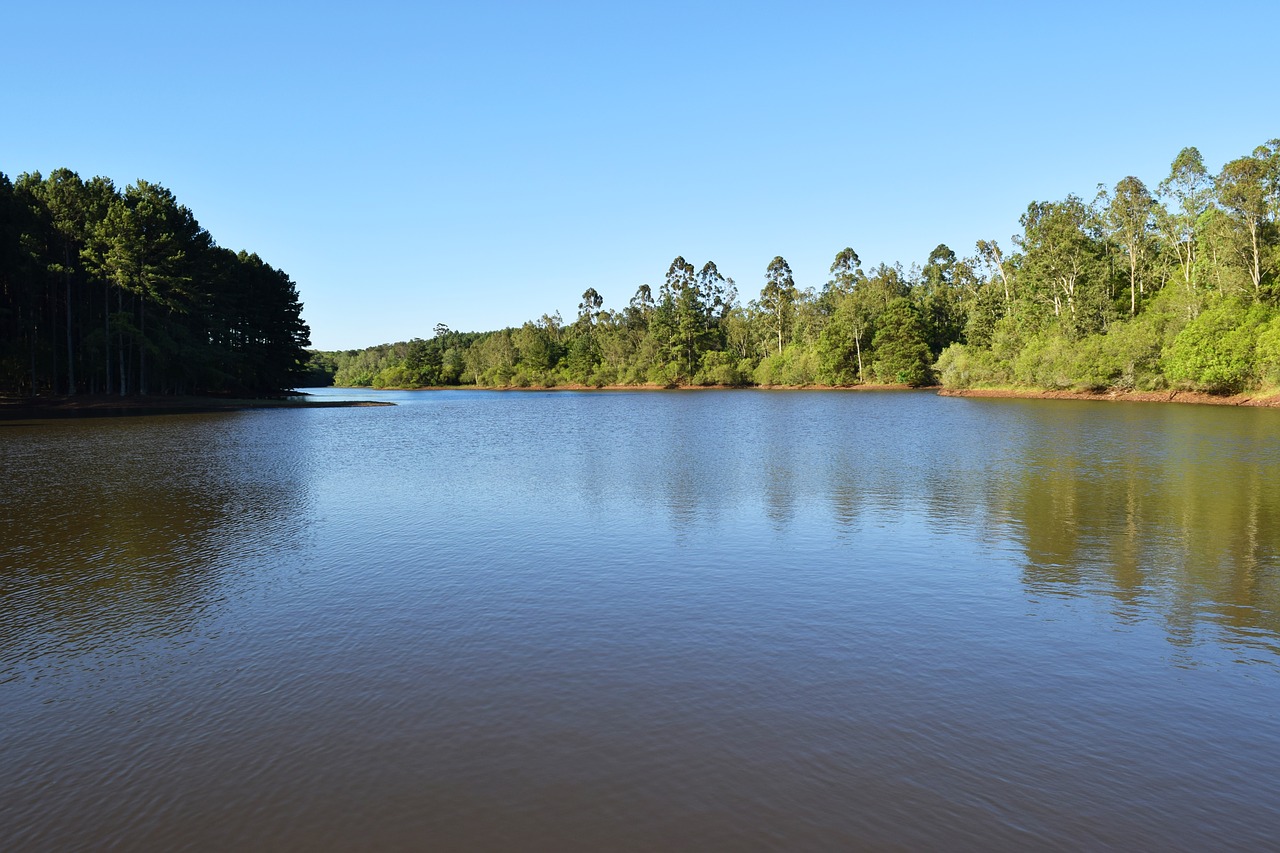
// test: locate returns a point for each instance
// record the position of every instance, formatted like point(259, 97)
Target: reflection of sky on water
point(130, 527)
point(629, 617)
point(1165, 512)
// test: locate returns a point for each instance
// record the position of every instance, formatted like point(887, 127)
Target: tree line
point(104, 291)
point(1135, 288)
point(692, 331)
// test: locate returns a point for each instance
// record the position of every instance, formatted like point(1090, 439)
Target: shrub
point(1268, 352)
point(1217, 351)
point(719, 368)
point(962, 366)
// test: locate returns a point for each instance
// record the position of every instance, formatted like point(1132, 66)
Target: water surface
point(579, 621)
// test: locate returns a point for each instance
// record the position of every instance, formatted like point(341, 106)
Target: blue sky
point(481, 164)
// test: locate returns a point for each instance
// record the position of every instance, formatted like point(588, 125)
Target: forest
point(1136, 288)
point(104, 291)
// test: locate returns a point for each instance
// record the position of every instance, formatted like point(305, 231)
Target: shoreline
point(101, 405)
point(1197, 398)
point(577, 387)
point(104, 406)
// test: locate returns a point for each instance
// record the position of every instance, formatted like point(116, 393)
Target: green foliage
point(1052, 360)
point(1218, 351)
point(1133, 291)
point(793, 366)
point(1268, 352)
point(720, 368)
point(984, 311)
point(1134, 348)
point(319, 370)
point(123, 292)
point(962, 366)
point(844, 344)
point(901, 349)
point(581, 360)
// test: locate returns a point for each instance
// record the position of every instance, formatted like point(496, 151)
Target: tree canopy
point(1134, 290)
point(122, 292)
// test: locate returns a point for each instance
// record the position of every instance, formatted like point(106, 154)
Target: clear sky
point(480, 163)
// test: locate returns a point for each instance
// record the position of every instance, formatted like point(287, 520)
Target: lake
point(615, 620)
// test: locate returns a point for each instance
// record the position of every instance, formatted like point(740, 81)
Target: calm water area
point(720, 620)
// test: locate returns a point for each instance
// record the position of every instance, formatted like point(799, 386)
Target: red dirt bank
point(1196, 397)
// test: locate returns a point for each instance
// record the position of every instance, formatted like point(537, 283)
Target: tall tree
point(640, 307)
point(1242, 191)
point(1129, 219)
point(990, 255)
point(1063, 259)
point(589, 307)
point(901, 351)
point(679, 276)
point(841, 343)
point(778, 297)
point(63, 196)
point(941, 299)
point(174, 313)
point(716, 292)
point(1189, 189)
point(846, 272)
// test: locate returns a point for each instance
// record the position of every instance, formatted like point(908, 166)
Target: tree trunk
point(106, 328)
point(120, 341)
point(71, 352)
point(31, 339)
point(142, 346)
point(857, 343)
point(1256, 272)
point(1133, 282)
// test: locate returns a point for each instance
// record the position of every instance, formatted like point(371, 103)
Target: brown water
point(721, 620)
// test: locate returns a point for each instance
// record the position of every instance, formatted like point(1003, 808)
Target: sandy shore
point(1196, 397)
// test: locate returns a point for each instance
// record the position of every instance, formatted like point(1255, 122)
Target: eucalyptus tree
point(1242, 190)
point(846, 272)
point(716, 292)
point(1062, 259)
point(990, 256)
point(741, 334)
point(777, 298)
point(1129, 221)
point(1269, 154)
point(680, 275)
point(1222, 249)
point(639, 308)
point(939, 270)
point(840, 345)
point(690, 328)
point(589, 308)
point(491, 360)
point(1189, 189)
